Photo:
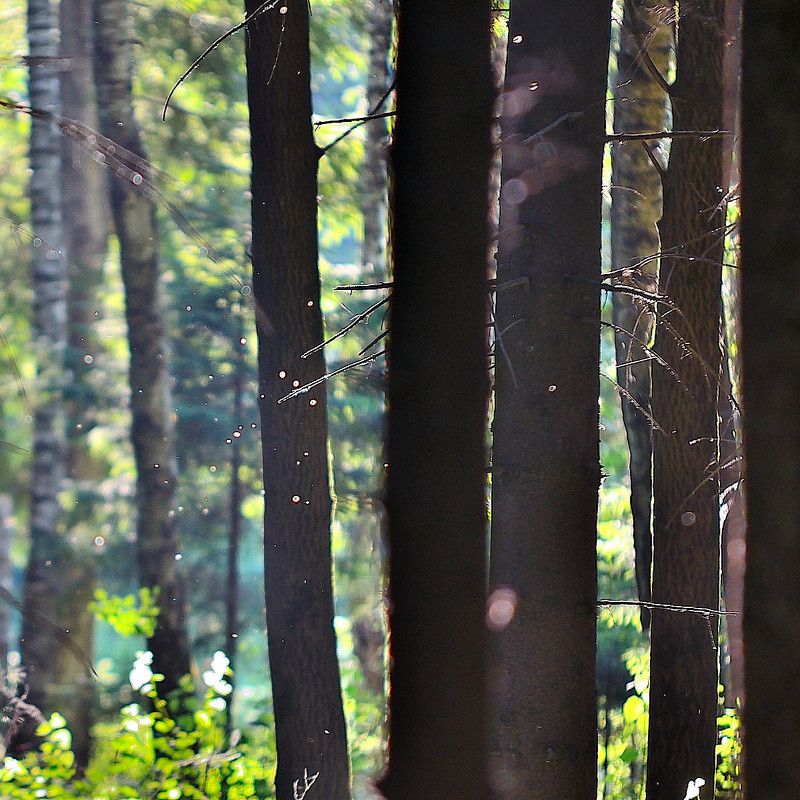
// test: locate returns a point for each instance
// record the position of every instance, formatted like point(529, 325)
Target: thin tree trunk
point(437, 395)
point(640, 104)
point(234, 532)
point(771, 375)
point(545, 464)
point(309, 720)
point(48, 269)
point(6, 527)
point(134, 214)
point(686, 557)
point(373, 182)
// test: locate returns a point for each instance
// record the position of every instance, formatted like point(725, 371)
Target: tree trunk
point(771, 368)
point(686, 563)
point(134, 213)
point(6, 582)
point(546, 470)
point(373, 182)
point(640, 104)
point(309, 720)
point(86, 232)
point(47, 554)
point(437, 395)
point(235, 529)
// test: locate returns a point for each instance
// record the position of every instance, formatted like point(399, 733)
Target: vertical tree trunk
point(771, 375)
point(235, 529)
point(686, 557)
point(134, 214)
point(546, 470)
point(47, 554)
point(437, 395)
point(640, 104)
point(6, 527)
point(85, 231)
point(309, 720)
point(373, 182)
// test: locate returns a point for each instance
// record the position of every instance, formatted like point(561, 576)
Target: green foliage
point(729, 756)
point(129, 615)
point(623, 741)
point(150, 753)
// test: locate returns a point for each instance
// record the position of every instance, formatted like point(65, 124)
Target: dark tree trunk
point(771, 375)
point(134, 212)
point(309, 720)
point(48, 552)
point(686, 557)
point(546, 469)
point(437, 396)
point(640, 104)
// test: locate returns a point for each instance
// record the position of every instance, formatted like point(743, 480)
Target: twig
point(350, 325)
point(367, 118)
point(633, 401)
point(266, 6)
point(706, 612)
point(373, 114)
point(648, 135)
point(643, 51)
point(360, 287)
point(328, 375)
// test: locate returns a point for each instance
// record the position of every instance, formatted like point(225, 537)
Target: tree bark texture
point(437, 397)
point(133, 209)
point(373, 181)
point(640, 104)
point(309, 720)
point(686, 557)
point(48, 553)
point(771, 375)
point(545, 466)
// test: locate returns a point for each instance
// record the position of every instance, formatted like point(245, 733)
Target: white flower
point(141, 674)
point(693, 788)
point(214, 678)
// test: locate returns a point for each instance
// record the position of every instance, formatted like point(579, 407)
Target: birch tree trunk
point(134, 212)
point(47, 556)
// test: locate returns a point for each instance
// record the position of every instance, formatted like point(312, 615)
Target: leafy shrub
point(153, 753)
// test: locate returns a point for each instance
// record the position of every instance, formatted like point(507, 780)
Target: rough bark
point(686, 554)
point(437, 395)
point(373, 181)
point(546, 470)
point(771, 375)
point(134, 212)
point(640, 104)
point(309, 721)
point(47, 554)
